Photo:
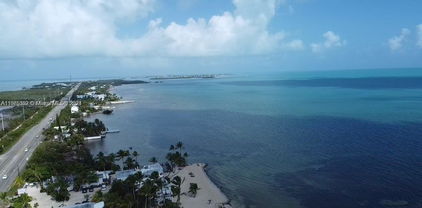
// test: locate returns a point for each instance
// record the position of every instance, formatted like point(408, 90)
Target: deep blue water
point(369, 83)
point(324, 139)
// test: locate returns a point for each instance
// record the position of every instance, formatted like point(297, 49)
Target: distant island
point(197, 76)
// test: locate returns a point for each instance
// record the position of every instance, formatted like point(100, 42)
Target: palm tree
point(179, 145)
point(135, 154)
point(177, 182)
point(101, 160)
point(148, 190)
point(36, 174)
point(171, 147)
point(4, 199)
point(121, 154)
point(193, 189)
point(130, 164)
point(153, 160)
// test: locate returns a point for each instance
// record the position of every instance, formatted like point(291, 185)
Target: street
point(14, 161)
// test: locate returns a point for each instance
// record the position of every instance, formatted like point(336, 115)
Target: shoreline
point(208, 194)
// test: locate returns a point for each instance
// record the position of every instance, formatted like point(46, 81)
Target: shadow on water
point(354, 83)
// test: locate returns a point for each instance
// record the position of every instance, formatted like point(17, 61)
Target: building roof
point(149, 169)
point(122, 175)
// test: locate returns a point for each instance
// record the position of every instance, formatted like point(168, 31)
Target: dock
point(121, 102)
point(111, 131)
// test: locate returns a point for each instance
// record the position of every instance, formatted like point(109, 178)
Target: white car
point(4, 177)
point(26, 149)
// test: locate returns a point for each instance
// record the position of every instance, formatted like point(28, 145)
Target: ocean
point(321, 139)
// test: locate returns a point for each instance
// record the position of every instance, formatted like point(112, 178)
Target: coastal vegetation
point(10, 137)
point(77, 168)
point(31, 106)
point(176, 156)
point(44, 92)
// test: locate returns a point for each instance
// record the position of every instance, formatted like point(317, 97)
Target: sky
point(107, 38)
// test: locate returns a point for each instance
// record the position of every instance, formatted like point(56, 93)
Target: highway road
point(14, 161)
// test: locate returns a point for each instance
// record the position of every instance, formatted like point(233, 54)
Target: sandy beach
point(208, 195)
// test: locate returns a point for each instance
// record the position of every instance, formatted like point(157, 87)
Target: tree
point(120, 154)
point(4, 199)
point(153, 160)
point(179, 145)
point(177, 183)
point(76, 140)
point(176, 157)
point(148, 190)
point(22, 201)
point(193, 189)
point(98, 196)
point(130, 164)
point(135, 154)
point(58, 190)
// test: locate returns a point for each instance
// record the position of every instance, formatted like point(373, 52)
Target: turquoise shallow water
point(319, 139)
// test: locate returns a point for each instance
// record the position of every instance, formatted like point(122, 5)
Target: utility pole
point(2, 122)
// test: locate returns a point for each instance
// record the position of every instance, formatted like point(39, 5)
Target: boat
point(108, 111)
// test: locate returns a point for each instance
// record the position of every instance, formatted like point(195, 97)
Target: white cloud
point(419, 35)
point(51, 28)
point(332, 40)
point(295, 45)
point(396, 42)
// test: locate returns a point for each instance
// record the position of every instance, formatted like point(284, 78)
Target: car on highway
point(4, 177)
point(26, 149)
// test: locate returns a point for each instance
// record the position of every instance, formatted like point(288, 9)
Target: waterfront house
point(124, 174)
point(99, 96)
point(104, 176)
point(147, 170)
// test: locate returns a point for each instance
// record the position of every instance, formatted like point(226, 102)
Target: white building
point(74, 109)
point(99, 96)
point(147, 170)
point(124, 174)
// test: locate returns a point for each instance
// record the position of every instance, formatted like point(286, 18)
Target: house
point(124, 174)
point(87, 205)
point(147, 170)
point(164, 194)
point(82, 96)
point(21, 191)
point(61, 127)
point(99, 96)
point(74, 109)
point(104, 176)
